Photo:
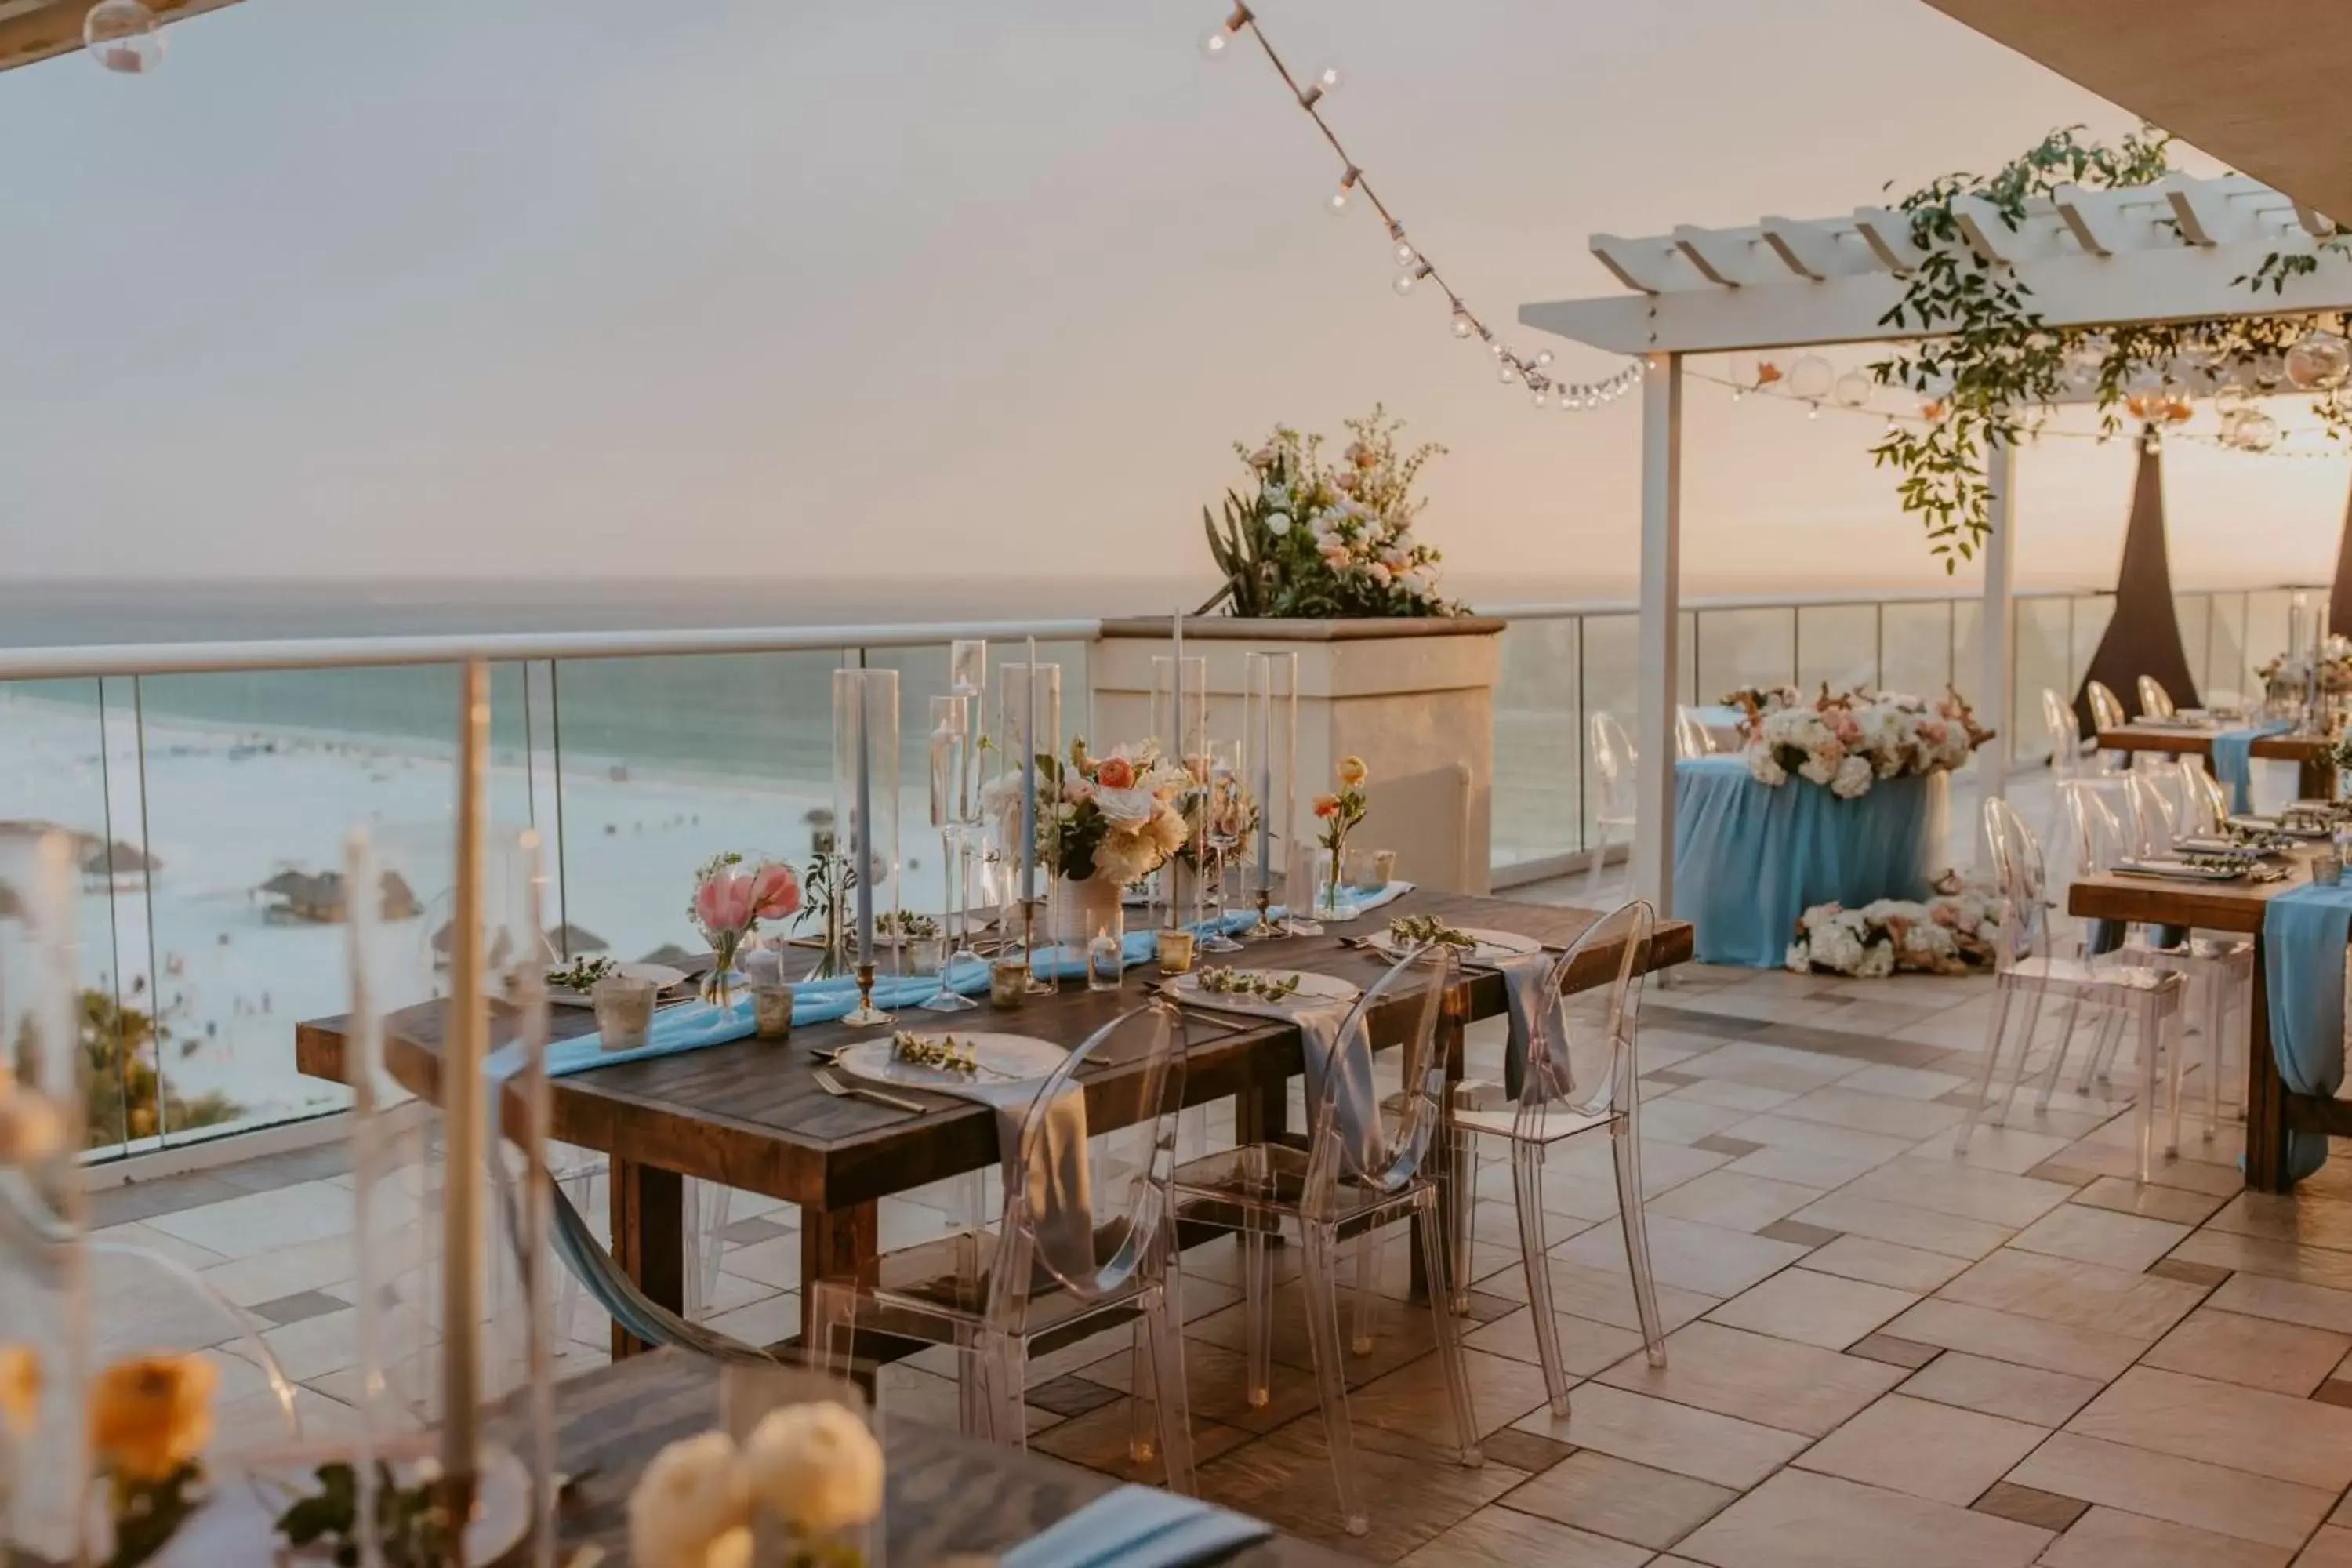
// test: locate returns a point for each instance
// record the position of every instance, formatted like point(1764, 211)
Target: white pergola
point(2167, 252)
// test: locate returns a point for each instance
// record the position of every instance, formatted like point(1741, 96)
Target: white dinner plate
point(1493, 946)
point(1311, 988)
point(2176, 871)
point(1003, 1058)
point(661, 974)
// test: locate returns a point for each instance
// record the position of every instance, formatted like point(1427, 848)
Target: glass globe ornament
point(123, 37)
point(2257, 432)
point(2231, 399)
point(2268, 371)
point(2318, 361)
point(1853, 390)
point(1812, 377)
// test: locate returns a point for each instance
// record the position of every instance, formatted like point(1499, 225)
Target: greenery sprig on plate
point(1221, 982)
point(1417, 930)
point(581, 974)
point(946, 1053)
point(905, 922)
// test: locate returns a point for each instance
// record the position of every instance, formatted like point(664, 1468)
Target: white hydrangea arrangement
point(1846, 742)
point(815, 1468)
point(1954, 932)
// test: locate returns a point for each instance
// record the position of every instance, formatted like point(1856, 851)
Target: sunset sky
point(746, 289)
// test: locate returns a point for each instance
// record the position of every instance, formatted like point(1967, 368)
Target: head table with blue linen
point(2305, 934)
point(1750, 857)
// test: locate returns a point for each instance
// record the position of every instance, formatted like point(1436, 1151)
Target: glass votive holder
point(624, 1011)
point(1106, 954)
point(1008, 982)
point(924, 956)
point(772, 1010)
point(1175, 952)
point(1367, 869)
point(2327, 870)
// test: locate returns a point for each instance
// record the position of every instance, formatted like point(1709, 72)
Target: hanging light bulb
point(1812, 411)
point(1404, 282)
point(1510, 373)
point(1853, 390)
point(1540, 399)
point(1338, 200)
point(123, 35)
point(1328, 78)
point(1217, 44)
point(1543, 356)
point(1406, 256)
point(1463, 326)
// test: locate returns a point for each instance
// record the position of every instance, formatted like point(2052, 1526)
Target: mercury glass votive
point(625, 1011)
point(1175, 952)
point(2327, 870)
point(1008, 982)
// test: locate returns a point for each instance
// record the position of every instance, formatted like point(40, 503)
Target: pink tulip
point(775, 891)
point(706, 901)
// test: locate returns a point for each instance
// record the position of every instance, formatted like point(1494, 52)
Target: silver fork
point(834, 1086)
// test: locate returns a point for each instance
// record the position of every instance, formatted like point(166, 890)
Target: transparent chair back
point(1692, 739)
point(2106, 708)
point(2099, 838)
point(1121, 1176)
point(2018, 872)
point(2154, 822)
point(2205, 802)
point(1613, 761)
point(2065, 732)
point(1581, 1051)
point(2154, 699)
point(1388, 1142)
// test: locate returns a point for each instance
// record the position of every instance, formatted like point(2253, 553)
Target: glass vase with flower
point(1339, 812)
point(733, 895)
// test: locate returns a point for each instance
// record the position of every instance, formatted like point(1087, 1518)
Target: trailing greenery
point(1990, 367)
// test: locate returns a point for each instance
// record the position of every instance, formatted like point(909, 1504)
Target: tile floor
point(1880, 1353)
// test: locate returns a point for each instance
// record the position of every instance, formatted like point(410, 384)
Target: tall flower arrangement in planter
point(1312, 539)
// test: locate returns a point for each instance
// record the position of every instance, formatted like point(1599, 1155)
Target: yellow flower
point(151, 1414)
point(1351, 771)
point(20, 1390)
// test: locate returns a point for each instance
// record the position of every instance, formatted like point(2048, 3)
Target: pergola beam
point(36, 31)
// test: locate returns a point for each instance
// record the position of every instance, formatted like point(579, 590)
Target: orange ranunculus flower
point(1327, 806)
point(151, 1414)
point(1351, 771)
point(1116, 773)
point(20, 1390)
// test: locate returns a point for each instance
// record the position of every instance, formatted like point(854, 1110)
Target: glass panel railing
point(1612, 685)
point(1916, 648)
point(1539, 739)
point(2041, 656)
point(1837, 644)
point(2226, 675)
point(1738, 649)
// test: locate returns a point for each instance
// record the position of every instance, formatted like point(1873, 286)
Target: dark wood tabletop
point(750, 1114)
point(947, 1493)
point(2315, 775)
point(2272, 1109)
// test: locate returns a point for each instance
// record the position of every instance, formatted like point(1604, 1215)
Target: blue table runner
point(2233, 764)
point(2305, 932)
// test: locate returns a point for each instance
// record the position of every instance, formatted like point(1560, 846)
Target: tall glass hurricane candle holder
point(951, 750)
point(1029, 713)
point(1258, 730)
point(1179, 722)
point(865, 811)
point(968, 678)
point(1221, 818)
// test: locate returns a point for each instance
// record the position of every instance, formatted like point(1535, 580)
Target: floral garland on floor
point(1954, 933)
point(1848, 741)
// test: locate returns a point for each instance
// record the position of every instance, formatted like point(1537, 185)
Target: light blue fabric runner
point(1138, 1527)
point(693, 1027)
point(2233, 759)
point(2304, 937)
point(1750, 857)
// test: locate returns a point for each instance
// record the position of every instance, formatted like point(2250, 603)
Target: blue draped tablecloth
point(2304, 937)
point(2233, 759)
point(1750, 857)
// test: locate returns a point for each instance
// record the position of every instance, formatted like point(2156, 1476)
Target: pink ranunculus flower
point(775, 891)
point(1116, 773)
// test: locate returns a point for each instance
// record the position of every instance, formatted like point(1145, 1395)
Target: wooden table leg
point(835, 1243)
point(648, 1209)
point(1261, 1114)
point(2314, 779)
point(2266, 1163)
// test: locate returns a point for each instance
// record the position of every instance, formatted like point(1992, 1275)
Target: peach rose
point(1116, 773)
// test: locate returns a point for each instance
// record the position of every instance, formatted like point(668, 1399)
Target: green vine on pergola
point(1996, 368)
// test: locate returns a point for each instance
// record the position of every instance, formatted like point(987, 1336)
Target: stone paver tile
point(1413, 1399)
point(1804, 1167)
point(2084, 1295)
point(1776, 1383)
point(1930, 1450)
point(1734, 1203)
point(1900, 1223)
point(1740, 1096)
point(2043, 1510)
point(1995, 1198)
point(1585, 1346)
point(1285, 1480)
point(2230, 1347)
point(263, 1222)
point(1906, 1083)
point(1812, 1309)
point(2107, 1537)
point(1905, 1354)
point(2100, 1235)
point(1501, 1537)
point(2016, 1149)
point(321, 1265)
point(1884, 1263)
point(2305, 1217)
point(1667, 1436)
point(1524, 1450)
point(1808, 1237)
point(2028, 1342)
point(2000, 1388)
point(1798, 1519)
point(1884, 1114)
point(2287, 1301)
point(2331, 1548)
point(2274, 1435)
point(302, 1304)
point(1605, 1295)
point(1669, 1120)
point(1098, 1440)
point(138, 1233)
point(2204, 1276)
point(1701, 1258)
point(2108, 1159)
point(2126, 1196)
point(1777, 1130)
point(1619, 1499)
point(2183, 1491)
point(2279, 1260)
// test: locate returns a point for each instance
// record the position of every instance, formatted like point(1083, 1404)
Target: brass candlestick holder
point(1265, 927)
point(1039, 985)
point(867, 1013)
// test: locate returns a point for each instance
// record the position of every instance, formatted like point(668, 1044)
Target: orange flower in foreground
point(20, 1390)
point(1327, 806)
point(151, 1414)
point(1116, 773)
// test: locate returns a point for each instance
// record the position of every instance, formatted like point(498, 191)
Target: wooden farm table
point(2314, 778)
point(2272, 1109)
point(750, 1114)
point(948, 1494)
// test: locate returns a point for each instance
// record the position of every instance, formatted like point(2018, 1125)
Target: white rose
point(1854, 778)
point(816, 1467)
point(1878, 961)
point(689, 1508)
point(1797, 958)
point(1765, 767)
point(1278, 524)
point(1378, 573)
point(1128, 808)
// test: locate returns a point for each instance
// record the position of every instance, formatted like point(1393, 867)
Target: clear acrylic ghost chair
point(582, 1177)
point(1590, 1041)
point(2024, 961)
point(1692, 739)
point(2106, 708)
point(1266, 1189)
point(1613, 763)
point(990, 1293)
point(2153, 700)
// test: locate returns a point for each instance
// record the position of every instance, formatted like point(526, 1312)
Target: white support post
point(1662, 560)
point(1996, 676)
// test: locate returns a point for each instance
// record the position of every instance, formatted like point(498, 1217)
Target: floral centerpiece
point(814, 1471)
point(2292, 676)
point(1848, 741)
point(1956, 931)
point(1312, 539)
point(149, 1418)
point(731, 897)
point(1102, 822)
point(1339, 812)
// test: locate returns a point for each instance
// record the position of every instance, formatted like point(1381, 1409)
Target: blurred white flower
point(816, 1467)
point(1278, 524)
point(689, 1505)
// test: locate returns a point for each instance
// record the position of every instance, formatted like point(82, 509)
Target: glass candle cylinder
point(1175, 952)
point(625, 1011)
point(1106, 953)
point(1008, 982)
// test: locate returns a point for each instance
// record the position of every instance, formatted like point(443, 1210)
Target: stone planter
point(1415, 699)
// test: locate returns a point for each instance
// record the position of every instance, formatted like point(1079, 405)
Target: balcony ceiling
point(2258, 84)
point(33, 30)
